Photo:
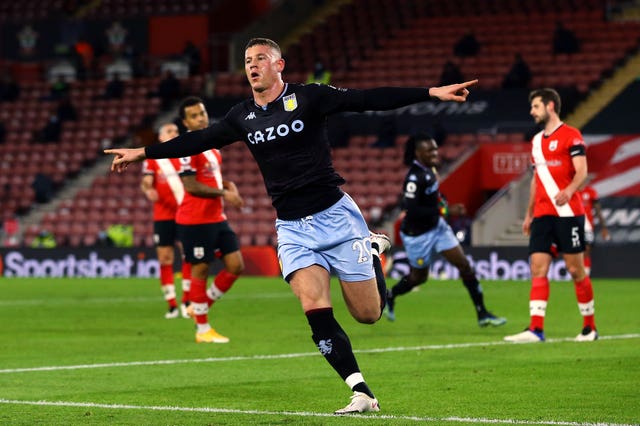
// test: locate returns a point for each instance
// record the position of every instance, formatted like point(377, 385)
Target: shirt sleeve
point(216, 136)
point(576, 144)
point(332, 99)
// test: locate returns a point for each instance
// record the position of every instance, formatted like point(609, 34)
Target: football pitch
point(99, 352)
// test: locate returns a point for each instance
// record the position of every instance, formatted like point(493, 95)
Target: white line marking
point(452, 419)
point(130, 300)
point(291, 355)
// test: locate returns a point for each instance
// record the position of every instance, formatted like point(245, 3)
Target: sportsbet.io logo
point(45, 264)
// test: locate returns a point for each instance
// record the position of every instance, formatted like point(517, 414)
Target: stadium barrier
point(491, 263)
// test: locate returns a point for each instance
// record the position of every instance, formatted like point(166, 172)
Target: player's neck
point(269, 95)
point(552, 125)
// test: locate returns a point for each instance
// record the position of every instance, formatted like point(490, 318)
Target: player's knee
point(165, 257)
point(236, 269)
point(367, 316)
point(576, 272)
point(165, 261)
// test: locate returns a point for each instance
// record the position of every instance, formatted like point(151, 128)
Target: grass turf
point(114, 359)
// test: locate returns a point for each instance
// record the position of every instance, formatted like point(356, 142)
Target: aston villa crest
point(290, 102)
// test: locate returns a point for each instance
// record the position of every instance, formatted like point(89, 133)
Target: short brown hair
point(264, 42)
point(547, 95)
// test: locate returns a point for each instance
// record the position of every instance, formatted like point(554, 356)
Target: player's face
point(539, 110)
point(427, 153)
point(263, 66)
point(196, 117)
point(167, 132)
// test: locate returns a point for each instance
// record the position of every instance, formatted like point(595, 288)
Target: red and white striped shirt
point(200, 210)
point(168, 185)
point(551, 156)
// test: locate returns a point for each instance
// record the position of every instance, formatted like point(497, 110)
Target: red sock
point(587, 261)
point(538, 298)
point(166, 274)
point(220, 286)
point(225, 280)
point(584, 294)
point(199, 296)
point(166, 279)
point(186, 282)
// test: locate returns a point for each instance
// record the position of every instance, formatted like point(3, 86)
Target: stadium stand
point(411, 42)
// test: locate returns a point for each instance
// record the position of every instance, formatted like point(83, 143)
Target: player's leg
point(164, 234)
point(589, 239)
point(540, 242)
point(587, 259)
point(165, 259)
point(311, 285)
point(306, 264)
point(233, 263)
point(186, 282)
point(457, 258)
point(379, 244)
point(584, 296)
point(199, 246)
point(572, 244)
point(416, 277)
point(420, 249)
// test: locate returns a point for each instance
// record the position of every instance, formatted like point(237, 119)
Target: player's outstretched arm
point(124, 156)
point(454, 92)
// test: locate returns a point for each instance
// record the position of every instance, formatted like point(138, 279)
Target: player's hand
point(454, 92)
point(234, 199)
point(562, 197)
point(605, 234)
point(526, 225)
point(152, 195)
point(124, 156)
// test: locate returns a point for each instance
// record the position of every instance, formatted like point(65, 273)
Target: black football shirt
point(420, 199)
point(288, 140)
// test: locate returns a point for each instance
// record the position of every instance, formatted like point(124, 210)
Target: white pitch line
point(372, 417)
point(286, 356)
point(129, 300)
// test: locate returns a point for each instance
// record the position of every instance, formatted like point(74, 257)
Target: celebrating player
point(320, 229)
point(425, 233)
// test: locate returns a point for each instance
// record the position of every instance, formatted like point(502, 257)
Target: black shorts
point(165, 233)
point(567, 233)
point(201, 242)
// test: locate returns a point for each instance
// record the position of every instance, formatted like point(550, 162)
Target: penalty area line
point(451, 419)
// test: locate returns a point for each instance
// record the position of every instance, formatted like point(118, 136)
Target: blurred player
point(425, 233)
point(555, 215)
point(202, 224)
point(591, 204)
point(320, 229)
point(163, 187)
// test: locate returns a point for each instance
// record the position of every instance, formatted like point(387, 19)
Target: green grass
point(432, 365)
